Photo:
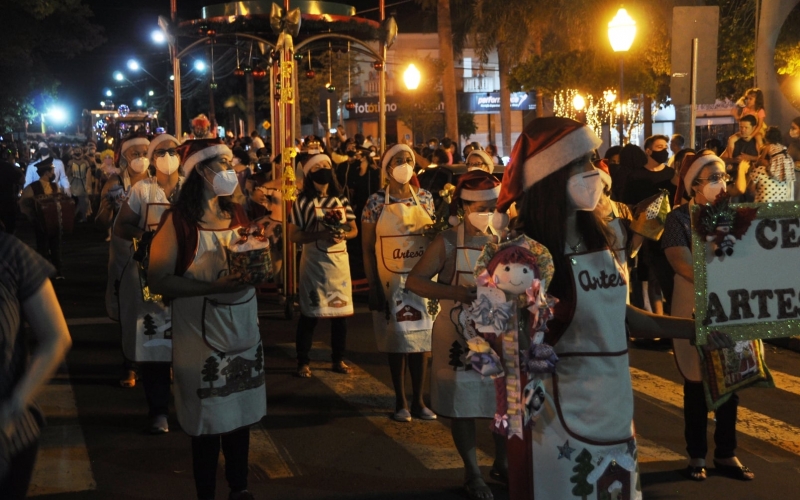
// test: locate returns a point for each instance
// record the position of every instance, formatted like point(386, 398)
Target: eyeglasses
point(716, 178)
point(160, 153)
point(476, 165)
point(402, 160)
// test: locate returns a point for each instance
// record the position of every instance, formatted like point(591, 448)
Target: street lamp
point(411, 77)
point(133, 65)
point(200, 65)
point(158, 36)
point(139, 103)
point(118, 76)
point(621, 32)
point(578, 102)
point(151, 93)
point(109, 93)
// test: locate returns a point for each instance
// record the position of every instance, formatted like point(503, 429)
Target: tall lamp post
point(621, 32)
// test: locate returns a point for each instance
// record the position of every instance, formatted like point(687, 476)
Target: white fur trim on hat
point(482, 195)
point(206, 154)
point(569, 148)
point(392, 151)
point(604, 177)
point(695, 168)
point(315, 160)
point(136, 141)
point(158, 140)
point(484, 156)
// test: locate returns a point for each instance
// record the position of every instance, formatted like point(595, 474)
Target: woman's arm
point(127, 224)
point(297, 235)
point(680, 258)
point(161, 276)
point(431, 263)
point(368, 239)
point(645, 325)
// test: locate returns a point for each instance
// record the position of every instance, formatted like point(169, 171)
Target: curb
point(791, 343)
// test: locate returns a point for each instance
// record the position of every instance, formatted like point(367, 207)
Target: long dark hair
point(632, 157)
point(759, 95)
point(310, 191)
point(543, 217)
point(190, 200)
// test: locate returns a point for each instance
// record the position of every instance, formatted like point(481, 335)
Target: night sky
point(128, 25)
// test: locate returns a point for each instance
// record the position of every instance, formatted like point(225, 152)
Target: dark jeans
point(205, 455)
point(15, 485)
point(49, 247)
point(305, 334)
point(155, 379)
point(695, 414)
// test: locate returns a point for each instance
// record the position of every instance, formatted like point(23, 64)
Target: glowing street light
point(200, 65)
point(109, 93)
point(411, 77)
point(118, 76)
point(151, 93)
point(57, 114)
point(139, 103)
point(133, 65)
point(158, 36)
point(621, 32)
point(578, 102)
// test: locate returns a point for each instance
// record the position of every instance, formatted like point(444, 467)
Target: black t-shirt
point(433, 181)
point(10, 177)
point(643, 183)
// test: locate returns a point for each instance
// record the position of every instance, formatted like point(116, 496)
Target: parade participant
point(588, 420)
point(752, 104)
point(45, 153)
point(241, 165)
point(48, 244)
point(393, 222)
point(218, 358)
point(265, 206)
point(26, 295)
point(458, 392)
point(478, 159)
point(133, 165)
point(704, 180)
point(80, 182)
point(145, 324)
point(322, 222)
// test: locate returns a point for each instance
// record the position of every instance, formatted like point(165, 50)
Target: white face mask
point(168, 164)
point(225, 183)
point(584, 190)
point(713, 189)
point(794, 133)
point(139, 165)
point(480, 220)
point(402, 173)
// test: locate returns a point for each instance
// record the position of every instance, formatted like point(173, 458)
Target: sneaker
point(402, 416)
point(159, 425)
point(424, 414)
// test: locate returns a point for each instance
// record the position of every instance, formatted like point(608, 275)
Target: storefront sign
point(489, 102)
point(748, 284)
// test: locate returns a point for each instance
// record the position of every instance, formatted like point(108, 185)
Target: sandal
point(341, 367)
point(304, 371)
point(476, 489)
point(740, 472)
point(129, 380)
point(499, 476)
point(696, 473)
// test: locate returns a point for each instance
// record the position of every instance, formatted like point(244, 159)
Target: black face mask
point(351, 153)
point(322, 176)
point(660, 156)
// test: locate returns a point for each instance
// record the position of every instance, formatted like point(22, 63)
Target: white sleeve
point(136, 196)
point(61, 177)
point(31, 175)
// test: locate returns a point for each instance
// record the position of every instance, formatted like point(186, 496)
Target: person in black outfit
point(48, 245)
point(11, 179)
point(434, 177)
point(742, 146)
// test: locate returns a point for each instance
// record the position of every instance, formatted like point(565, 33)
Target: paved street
point(330, 436)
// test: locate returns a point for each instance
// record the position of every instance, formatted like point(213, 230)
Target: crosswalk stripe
point(751, 423)
point(266, 456)
point(429, 442)
point(62, 465)
point(786, 382)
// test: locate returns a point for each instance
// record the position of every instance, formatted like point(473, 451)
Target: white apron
point(583, 439)
point(146, 326)
point(457, 391)
point(326, 290)
point(218, 360)
point(119, 253)
point(405, 323)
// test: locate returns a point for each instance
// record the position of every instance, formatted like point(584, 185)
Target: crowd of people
point(174, 208)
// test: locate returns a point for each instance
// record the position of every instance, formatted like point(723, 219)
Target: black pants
point(155, 379)
point(49, 247)
point(305, 334)
point(695, 414)
point(205, 455)
point(15, 485)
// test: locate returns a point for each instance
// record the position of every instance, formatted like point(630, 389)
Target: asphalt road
point(330, 436)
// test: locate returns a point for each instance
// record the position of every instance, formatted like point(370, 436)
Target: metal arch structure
point(176, 69)
point(773, 15)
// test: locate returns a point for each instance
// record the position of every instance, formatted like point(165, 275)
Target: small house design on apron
point(240, 374)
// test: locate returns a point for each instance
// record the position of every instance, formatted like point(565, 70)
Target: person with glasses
point(705, 179)
point(393, 222)
point(478, 159)
point(145, 324)
point(218, 357)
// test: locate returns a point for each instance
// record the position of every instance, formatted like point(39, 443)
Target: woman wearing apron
point(677, 243)
point(321, 222)
point(218, 359)
point(457, 391)
point(583, 442)
point(146, 326)
point(133, 162)
point(393, 222)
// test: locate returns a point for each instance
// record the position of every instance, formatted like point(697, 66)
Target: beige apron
point(583, 439)
point(326, 290)
point(218, 359)
point(119, 253)
point(457, 390)
point(405, 323)
point(146, 326)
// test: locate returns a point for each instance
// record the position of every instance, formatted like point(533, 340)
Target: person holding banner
point(146, 324)
point(704, 180)
point(393, 223)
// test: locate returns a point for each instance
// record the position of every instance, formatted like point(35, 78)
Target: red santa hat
point(158, 140)
point(692, 166)
point(393, 151)
point(546, 145)
point(127, 143)
point(477, 185)
point(201, 120)
point(200, 150)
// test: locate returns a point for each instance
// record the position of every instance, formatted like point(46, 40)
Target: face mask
point(322, 176)
point(402, 173)
point(351, 153)
point(713, 189)
point(660, 156)
point(139, 165)
point(168, 164)
point(584, 190)
point(480, 220)
point(794, 133)
point(225, 182)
